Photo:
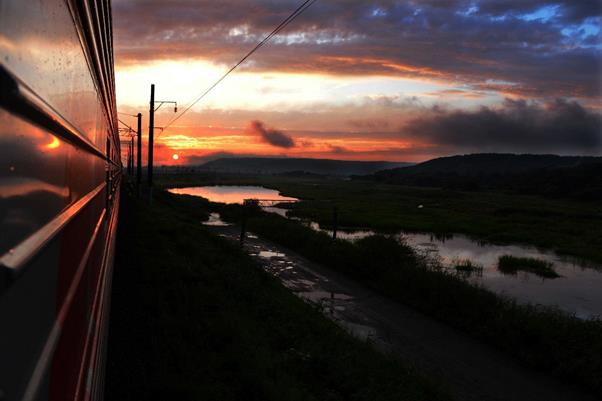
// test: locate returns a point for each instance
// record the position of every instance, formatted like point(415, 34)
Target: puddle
point(270, 254)
point(316, 290)
point(215, 221)
point(317, 295)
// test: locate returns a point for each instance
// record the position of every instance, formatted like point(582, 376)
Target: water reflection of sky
point(231, 194)
point(577, 291)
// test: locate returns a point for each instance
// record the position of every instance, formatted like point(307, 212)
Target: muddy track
point(471, 370)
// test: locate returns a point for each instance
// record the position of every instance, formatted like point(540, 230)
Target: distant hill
point(561, 176)
point(267, 165)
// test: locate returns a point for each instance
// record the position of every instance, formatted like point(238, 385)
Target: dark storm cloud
point(518, 126)
point(271, 136)
point(498, 44)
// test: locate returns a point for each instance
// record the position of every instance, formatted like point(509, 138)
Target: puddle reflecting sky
point(215, 220)
point(578, 291)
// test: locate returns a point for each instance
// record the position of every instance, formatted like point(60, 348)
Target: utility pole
point(151, 139)
point(139, 155)
point(126, 148)
point(128, 158)
point(243, 227)
point(151, 134)
point(130, 150)
point(132, 154)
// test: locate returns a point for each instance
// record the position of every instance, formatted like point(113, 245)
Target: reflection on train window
point(40, 175)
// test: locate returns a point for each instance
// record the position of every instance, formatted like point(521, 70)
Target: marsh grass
point(509, 264)
point(466, 267)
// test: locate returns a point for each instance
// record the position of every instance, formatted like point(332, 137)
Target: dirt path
point(471, 370)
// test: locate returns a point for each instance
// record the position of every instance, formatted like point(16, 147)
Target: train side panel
point(60, 170)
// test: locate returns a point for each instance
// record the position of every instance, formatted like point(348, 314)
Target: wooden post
point(335, 218)
point(243, 227)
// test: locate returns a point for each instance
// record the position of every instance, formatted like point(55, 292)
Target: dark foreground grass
point(509, 264)
point(544, 338)
point(194, 318)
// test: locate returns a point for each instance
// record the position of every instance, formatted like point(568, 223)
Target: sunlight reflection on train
point(54, 144)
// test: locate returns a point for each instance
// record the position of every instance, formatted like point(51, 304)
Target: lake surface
point(232, 194)
point(578, 290)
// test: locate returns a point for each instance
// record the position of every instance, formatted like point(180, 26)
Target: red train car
point(60, 171)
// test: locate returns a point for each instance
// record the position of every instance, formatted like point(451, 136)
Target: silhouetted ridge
point(560, 176)
point(267, 165)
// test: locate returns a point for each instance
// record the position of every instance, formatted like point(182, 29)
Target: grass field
point(194, 318)
point(568, 227)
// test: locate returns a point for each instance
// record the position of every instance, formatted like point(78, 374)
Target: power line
point(304, 6)
point(125, 124)
point(127, 114)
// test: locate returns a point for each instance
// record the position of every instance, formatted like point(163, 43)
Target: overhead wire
point(127, 126)
point(127, 114)
point(304, 6)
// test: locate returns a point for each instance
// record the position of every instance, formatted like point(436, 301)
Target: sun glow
point(320, 109)
point(184, 80)
point(55, 143)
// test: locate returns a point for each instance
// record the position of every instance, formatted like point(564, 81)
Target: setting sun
point(175, 157)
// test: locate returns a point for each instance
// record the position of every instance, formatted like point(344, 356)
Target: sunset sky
point(365, 80)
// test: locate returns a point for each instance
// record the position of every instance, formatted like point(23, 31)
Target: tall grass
point(466, 267)
point(509, 264)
